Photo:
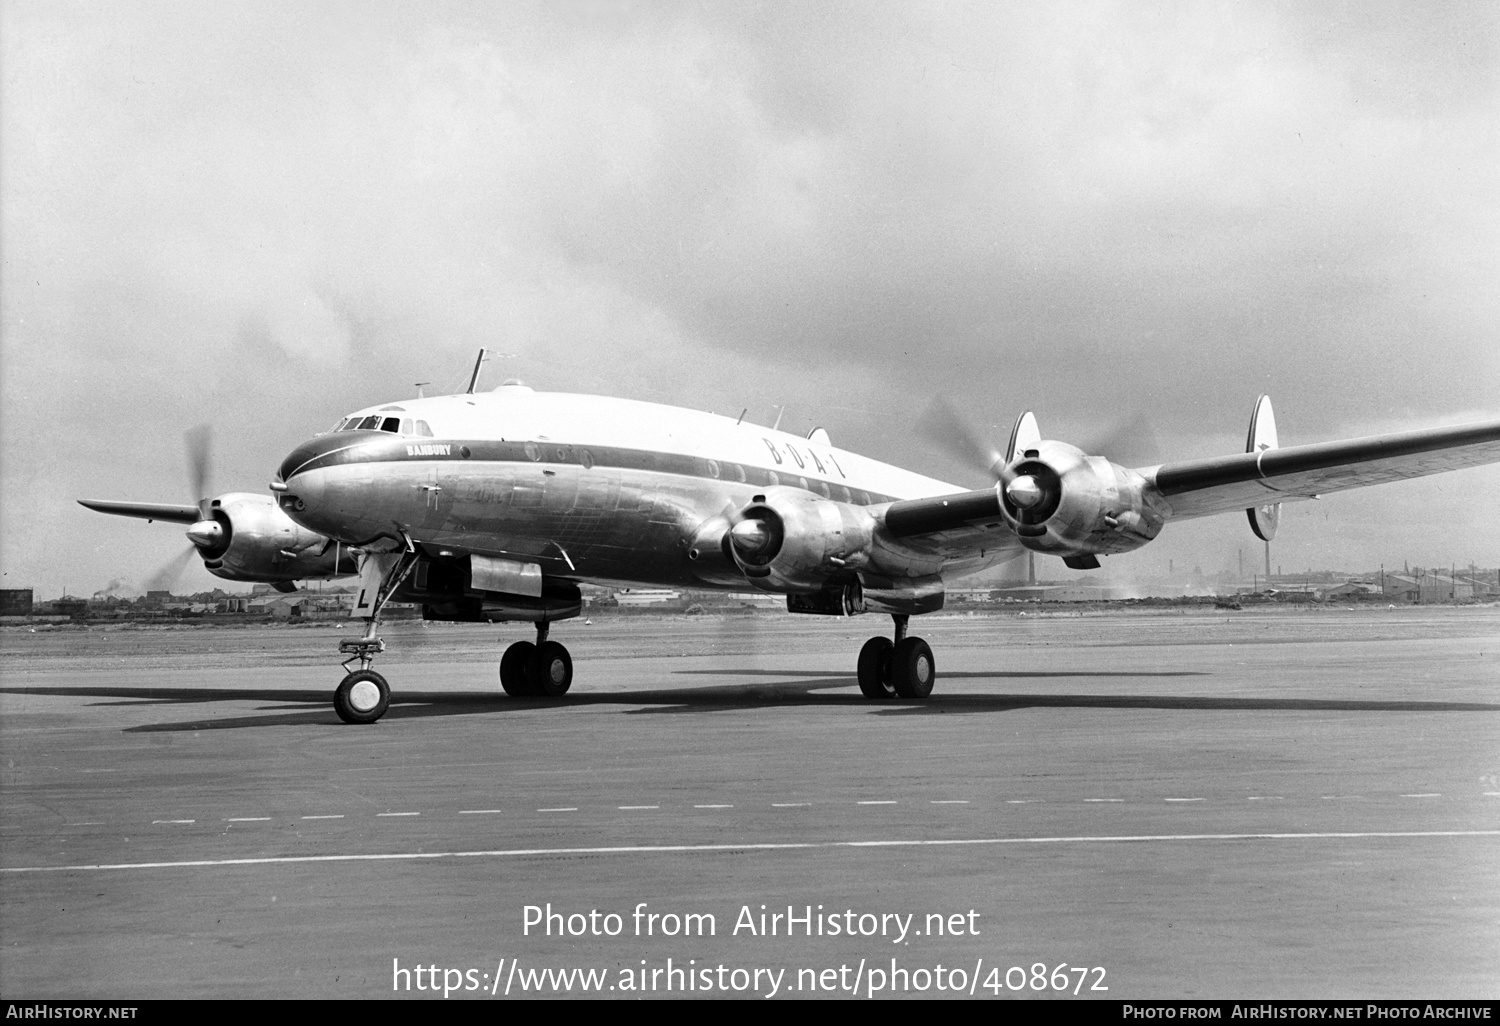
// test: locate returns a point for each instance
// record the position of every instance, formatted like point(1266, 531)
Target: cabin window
point(586, 458)
point(772, 478)
point(842, 493)
point(738, 472)
point(821, 487)
point(532, 452)
point(713, 469)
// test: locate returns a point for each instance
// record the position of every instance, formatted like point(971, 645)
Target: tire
point(549, 671)
point(362, 697)
point(912, 669)
point(513, 676)
point(875, 668)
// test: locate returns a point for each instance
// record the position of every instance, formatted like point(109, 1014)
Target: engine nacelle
point(248, 538)
point(791, 542)
point(1060, 500)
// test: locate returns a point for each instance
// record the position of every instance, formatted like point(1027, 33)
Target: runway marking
point(398, 813)
point(1104, 799)
point(154, 822)
point(951, 801)
point(713, 806)
point(477, 812)
point(878, 803)
point(339, 816)
point(632, 808)
point(669, 849)
point(1024, 801)
point(1434, 794)
point(1185, 799)
point(248, 819)
point(572, 808)
point(1265, 798)
point(790, 805)
point(1337, 797)
point(1492, 794)
point(89, 823)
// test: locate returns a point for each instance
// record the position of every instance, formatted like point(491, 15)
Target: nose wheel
point(362, 697)
point(903, 668)
point(540, 670)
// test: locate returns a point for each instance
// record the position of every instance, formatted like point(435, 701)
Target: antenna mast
point(474, 378)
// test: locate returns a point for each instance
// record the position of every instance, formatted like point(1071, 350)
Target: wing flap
point(1223, 484)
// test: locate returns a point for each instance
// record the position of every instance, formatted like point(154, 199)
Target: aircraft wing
point(174, 512)
point(1227, 484)
point(1224, 484)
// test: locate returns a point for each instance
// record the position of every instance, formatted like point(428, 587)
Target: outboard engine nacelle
point(1060, 500)
point(246, 537)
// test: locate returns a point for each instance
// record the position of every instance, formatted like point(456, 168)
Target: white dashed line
point(1434, 794)
point(477, 812)
point(398, 813)
point(1023, 801)
point(713, 806)
point(571, 808)
point(89, 823)
point(652, 849)
point(339, 816)
point(1186, 799)
point(635, 808)
point(950, 801)
point(1104, 799)
point(248, 819)
point(154, 822)
point(790, 805)
point(1492, 794)
point(878, 803)
point(1265, 798)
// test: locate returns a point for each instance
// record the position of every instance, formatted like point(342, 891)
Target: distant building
point(15, 601)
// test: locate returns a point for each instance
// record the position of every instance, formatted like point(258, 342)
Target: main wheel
point(362, 697)
point(875, 668)
point(513, 676)
point(549, 671)
point(912, 669)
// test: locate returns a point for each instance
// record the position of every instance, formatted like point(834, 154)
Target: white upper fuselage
point(515, 412)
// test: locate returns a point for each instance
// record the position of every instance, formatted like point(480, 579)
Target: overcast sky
point(260, 216)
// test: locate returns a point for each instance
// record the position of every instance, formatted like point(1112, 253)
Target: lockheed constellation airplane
point(495, 506)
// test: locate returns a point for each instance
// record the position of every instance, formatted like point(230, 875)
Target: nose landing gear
point(540, 670)
point(901, 668)
point(363, 695)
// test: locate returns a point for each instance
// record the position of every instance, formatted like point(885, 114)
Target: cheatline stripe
point(667, 849)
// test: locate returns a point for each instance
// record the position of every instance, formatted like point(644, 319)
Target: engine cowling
point(246, 537)
point(1062, 501)
point(792, 542)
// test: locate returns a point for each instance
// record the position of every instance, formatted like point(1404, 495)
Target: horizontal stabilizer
point(171, 511)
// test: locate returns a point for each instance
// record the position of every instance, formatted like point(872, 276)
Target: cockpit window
point(423, 429)
point(369, 424)
point(391, 424)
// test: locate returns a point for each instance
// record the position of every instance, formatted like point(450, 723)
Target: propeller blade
point(1129, 443)
point(199, 442)
point(167, 577)
point(945, 428)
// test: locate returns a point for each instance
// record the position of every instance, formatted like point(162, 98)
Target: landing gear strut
point(540, 670)
point(900, 668)
point(363, 695)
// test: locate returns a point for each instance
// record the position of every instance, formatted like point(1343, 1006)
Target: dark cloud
point(261, 215)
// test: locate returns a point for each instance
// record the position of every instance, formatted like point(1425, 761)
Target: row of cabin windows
point(721, 471)
point(731, 471)
point(395, 425)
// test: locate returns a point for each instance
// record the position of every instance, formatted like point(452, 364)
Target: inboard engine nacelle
point(1060, 500)
point(246, 537)
point(792, 542)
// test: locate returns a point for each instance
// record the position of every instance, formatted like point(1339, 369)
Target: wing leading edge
point(1225, 484)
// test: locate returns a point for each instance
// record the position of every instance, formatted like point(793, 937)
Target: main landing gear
point(896, 669)
point(541, 670)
